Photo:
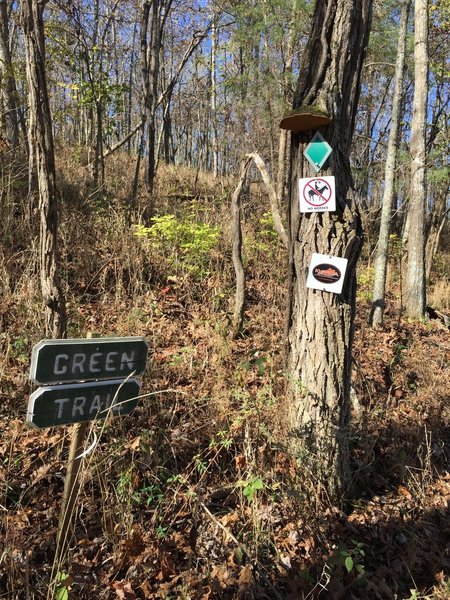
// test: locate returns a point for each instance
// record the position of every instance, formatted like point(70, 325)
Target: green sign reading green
point(61, 361)
point(74, 403)
point(317, 151)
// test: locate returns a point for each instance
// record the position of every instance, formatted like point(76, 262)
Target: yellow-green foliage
point(185, 244)
point(365, 284)
point(265, 237)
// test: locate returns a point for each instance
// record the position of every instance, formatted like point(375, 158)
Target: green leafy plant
point(63, 581)
point(395, 246)
point(352, 559)
point(365, 284)
point(266, 238)
point(223, 439)
point(200, 464)
point(186, 243)
point(251, 487)
point(257, 359)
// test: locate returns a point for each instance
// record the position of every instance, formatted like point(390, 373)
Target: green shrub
point(185, 244)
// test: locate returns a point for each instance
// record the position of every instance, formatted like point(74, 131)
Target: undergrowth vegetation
point(195, 494)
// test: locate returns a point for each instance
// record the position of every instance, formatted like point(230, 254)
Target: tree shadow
point(376, 558)
point(393, 540)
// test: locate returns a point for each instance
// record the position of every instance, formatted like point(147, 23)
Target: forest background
point(196, 495)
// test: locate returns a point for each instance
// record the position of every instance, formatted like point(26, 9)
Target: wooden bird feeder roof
point(305, 118)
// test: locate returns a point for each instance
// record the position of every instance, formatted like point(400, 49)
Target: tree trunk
point(274, 200)
point(130, 87)
point(151, 91)
point(8, 90)
point(320, 324)
point(381, 260)
point(285, 138)
point(215, 140)
point(167, 133)
point(43, 161)
point(239, 303)
point(438, 219)
point(415, 282)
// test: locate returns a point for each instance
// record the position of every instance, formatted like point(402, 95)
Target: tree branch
point(278, 224)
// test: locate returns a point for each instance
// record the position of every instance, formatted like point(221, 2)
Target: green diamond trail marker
point(317, 151)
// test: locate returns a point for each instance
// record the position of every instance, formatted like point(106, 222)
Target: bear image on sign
point(326, 273)
point(317, 194)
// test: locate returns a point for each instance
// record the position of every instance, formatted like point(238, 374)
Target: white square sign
point(326, 273)
point(317, 194)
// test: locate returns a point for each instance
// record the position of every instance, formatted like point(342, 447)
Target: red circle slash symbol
point(317, 195)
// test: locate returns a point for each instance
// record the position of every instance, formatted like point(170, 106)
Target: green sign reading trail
point(61, 361)
point(317, 151)
point(75, 403)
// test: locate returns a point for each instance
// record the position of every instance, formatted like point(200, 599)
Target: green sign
point(61, 361)
point(317, 151)
point(74, 403)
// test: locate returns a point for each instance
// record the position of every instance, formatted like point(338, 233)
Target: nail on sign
point(317, 194)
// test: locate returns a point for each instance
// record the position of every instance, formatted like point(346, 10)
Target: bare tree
point(239, 302)
point(8, 91)
point(381, 260)
point(42, 163)
point(415, 281)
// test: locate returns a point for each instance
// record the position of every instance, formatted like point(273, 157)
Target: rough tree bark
point(415, 278)
point(320, 324)
point(381, 259)
point(42, 162)
point(8, 90)
point(153, 19)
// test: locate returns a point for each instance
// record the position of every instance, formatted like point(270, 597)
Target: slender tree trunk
point(42, 152)
point(153, 58)
point(215, 141)
point(130, 87)
point(277, 221)
point(8, 89)
point(239, 303)
point(167, 132)
point(415, 282)
point(285, 137)
point(320, 324)
point(381, 260)
point(437, 223)
point(99, 161)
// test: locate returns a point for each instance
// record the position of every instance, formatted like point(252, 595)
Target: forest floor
point(195, 495)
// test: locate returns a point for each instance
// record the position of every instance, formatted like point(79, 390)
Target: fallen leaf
point(404, 492)
point(123, 590)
